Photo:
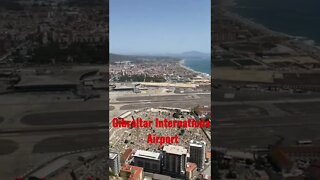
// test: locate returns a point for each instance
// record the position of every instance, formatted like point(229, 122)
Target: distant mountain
point(135, 58)
point(159, 57)
point(190, 54)
point(118, 57)
point(195, 54)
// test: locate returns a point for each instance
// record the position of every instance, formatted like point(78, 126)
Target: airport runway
point(163, 98)
point(155, 98)
point(36, 127)
point(188, 101)
point(8, 146)
point(67, 117)
point(292, 120)
point(255, 95)
point(53, 130)
point(71, 142)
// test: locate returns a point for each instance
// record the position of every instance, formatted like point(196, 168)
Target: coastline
point(182, 64)
point(303, 42)
point(255, 25)
point(261, 27)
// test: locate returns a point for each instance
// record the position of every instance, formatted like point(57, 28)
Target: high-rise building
point(174, 160)
point(197, 153)
point(150, 161)
point(114, 162)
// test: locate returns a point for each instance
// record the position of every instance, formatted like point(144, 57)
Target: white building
point(114, 162)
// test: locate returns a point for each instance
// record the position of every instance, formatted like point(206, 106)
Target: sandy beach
point(182, 64)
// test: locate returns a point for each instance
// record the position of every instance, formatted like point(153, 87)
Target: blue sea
point(198, 64)
point(293, 17)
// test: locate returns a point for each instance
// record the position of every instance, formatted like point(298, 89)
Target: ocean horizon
point(293, 17)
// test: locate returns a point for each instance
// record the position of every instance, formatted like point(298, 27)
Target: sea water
point(294, 17)
point(200, 64)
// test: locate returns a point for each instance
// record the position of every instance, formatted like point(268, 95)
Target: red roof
point(191, 166)
point(134, 171)
point(126, 155)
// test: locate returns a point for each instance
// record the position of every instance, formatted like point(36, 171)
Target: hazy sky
point(159, 26)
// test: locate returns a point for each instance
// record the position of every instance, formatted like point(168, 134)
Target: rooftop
point(126, 155)
point(112, 155)
point(147, 154)
point(178, 150)
point(197, 143)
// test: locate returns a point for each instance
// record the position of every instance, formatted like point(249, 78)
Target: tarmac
point(285, 119)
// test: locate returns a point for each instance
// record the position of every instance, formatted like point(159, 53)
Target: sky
point(159, 26)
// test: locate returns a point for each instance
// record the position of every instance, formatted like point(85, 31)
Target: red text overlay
point(160, 123)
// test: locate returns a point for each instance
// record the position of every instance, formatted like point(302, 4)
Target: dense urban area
point(53, 74)
point(151, 87)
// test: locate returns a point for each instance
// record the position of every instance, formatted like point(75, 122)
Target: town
point(177, 108)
